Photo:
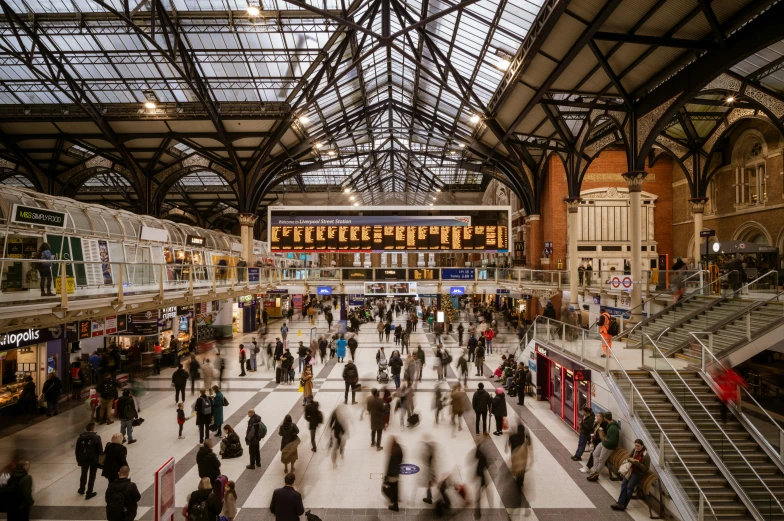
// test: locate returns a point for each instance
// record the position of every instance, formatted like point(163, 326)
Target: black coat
point(481, 401)
point(286, 504)
point(499, 405)
point(395, 460)
point(180, 378)
point(313, 415)
point(288, 433)
point(115, 458)
point(214, 506)
point(131, 493)
point(52, 388)
point(549, 311)
point(208, 463)
point(126, 408)
point(91, 459)
point(201, 418)
point(254, 430)
point(22, 485)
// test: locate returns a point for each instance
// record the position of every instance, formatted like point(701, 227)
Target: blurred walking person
point(391, 484)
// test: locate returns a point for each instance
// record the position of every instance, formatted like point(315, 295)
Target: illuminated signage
point(541, 350)
point(37, 216)
point(195, 240)
point(457, 290)
point(168, 313)
point(324, 290)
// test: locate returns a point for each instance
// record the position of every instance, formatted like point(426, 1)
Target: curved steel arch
point(5, 173)
point(171, 179)
point(74, 183)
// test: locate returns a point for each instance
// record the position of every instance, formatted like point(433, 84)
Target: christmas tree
point(449, 309)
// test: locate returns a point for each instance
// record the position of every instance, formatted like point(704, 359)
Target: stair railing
point(726, 447)
point(709, 364)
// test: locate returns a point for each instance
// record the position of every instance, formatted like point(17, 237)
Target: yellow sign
point(70, 285)
point(299, 332)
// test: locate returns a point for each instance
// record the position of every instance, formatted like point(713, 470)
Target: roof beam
point(659, 41)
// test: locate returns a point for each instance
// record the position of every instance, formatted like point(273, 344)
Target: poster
point(84, 329)
point(110, 326)
point(297, 301)
point(106, 268)
point(164, 491)
point(97, 328)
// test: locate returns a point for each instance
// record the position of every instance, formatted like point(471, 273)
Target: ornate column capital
point(572, 204)
point(532, 217)
point(635, 179)
point(698, 204)
point(247, 219)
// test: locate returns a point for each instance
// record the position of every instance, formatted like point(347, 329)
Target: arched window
point(750, 174)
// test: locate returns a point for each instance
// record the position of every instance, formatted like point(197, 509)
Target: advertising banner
point(110, 325)
point(106, 268)
point(97, 328)
point(164, 492)
point(38, 216)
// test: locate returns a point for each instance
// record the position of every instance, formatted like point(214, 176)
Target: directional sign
point(325, 290)
point(708, 233)
point(457, 290)
point(615, 282)
point(626, 282)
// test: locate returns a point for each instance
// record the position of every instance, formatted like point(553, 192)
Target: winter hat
point(500, 390)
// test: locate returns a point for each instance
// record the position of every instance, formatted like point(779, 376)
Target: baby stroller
point(383, 371)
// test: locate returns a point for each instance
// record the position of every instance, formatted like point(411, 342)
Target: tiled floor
point(554, 488)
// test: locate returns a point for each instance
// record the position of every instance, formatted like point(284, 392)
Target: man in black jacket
point(350, 378)
point(392, 478)
point(107, 390)
point(204, 415)
point(125, 509)
point(51, 391)
point(314, 418)
point(207, 462)
point(586, 430)
point(180, 380)
point(88, 448)
point(253, 439)
point(481, 404)
point(286, 502)
point(126, 410)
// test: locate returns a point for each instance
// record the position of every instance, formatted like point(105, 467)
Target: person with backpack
point(284, 330)
point(243, 359)
point(606, 330)
point(203, 408)
point(122, 497)
point(88, 448)
point(286, 504)
point(207, 462)
point(253, 436)
point(45, 269)
point(314, 417)
point(203, 504)
point(481, 405)
point(17, 494)
point(126, 410)
point(107, 390)
point(350, 378)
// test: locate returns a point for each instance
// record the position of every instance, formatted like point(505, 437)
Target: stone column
point(534, 243)
point(404, 260)
point(420, 260)
point(357, 261)
point(697, 208)
point(432, 260)
point(635, 179)
point(247, 220)
point(394, 260)
point(367, 260)
point(573, 227)
point(383, 260)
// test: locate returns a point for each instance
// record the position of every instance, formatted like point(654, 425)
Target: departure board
point(388, 238)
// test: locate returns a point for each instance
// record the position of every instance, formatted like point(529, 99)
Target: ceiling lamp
point(152, 99)
point(352, 198)
point(438, 189)
point(331, 153)
point(347, 190)
point(730, 99)
point(319, 145)
point(253, 9)
point(504, 60)
point(356, 204)
point(461, 145)
point(304, 119)
point(475, 119)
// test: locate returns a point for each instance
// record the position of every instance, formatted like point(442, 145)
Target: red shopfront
point(564, 383)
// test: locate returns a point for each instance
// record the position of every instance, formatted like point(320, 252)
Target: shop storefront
point(563, 382)
point(29, 352)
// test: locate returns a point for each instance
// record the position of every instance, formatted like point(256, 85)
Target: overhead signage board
point(390, 274)
point(38, 216)
point(457, 274)
point(110, 325)
point(422, 274)
point(390, 288)
point(502, 291)
point(31, 336)
point(324, 290)
point(358, 274)
point(457, 290)
point(707, 233)
point(195, 240)
point(167, 313)
point(148, 233)
point(370, 220)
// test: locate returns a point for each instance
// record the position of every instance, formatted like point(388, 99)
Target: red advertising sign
point(297, 299)
point(97, 328)
point(110, 325)
point(164, 492)
point(269, 304)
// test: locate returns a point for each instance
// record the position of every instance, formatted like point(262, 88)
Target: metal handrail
point(689, 297)
point(668, 291)
point(705, 349)
point(686, 386)
point(773, 272)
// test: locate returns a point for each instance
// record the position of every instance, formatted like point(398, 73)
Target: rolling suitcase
point(220, 486)
point(278, 374)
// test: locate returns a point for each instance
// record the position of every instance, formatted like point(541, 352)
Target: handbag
point(101, 460)
point(625, 470)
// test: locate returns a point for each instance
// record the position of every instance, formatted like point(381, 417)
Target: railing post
point(535, 321)
point(120, 294)
point(662, 460)
point(781, 445)
point(748, 327)
point(701, 510)
point(631, 401)
point(190, 279)
point(582, 347)
point(160, 283)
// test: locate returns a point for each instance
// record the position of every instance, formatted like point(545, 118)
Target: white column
point(698, 209)
point(573, 224)
point(635, 180)
point(420, 260)
point(247, 220)
point(404, 260)
point(357, 261)
point(367, 260)
point(394, 259)
point(383, 260)
point(432, 262)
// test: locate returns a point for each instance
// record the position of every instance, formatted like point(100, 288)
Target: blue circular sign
point(408, 468)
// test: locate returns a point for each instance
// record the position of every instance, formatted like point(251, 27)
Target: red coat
point(728, 382)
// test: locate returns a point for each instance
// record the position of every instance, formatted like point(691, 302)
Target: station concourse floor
point(554, 488)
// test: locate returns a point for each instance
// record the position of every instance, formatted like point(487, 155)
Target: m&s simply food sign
point(37, 216)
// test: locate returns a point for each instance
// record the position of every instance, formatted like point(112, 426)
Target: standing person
point(498, 408)
point(549, 313)
point(341, 345)
point(229, 510)
point(243, 361)
point(611, 437)
point(218, 403)
point(307, 385)
point(380, 329)
point(203, 408)
point(352, 347)
point(398, 334)
point(604, 329)
point(107, 390)
point(479, 360)
point(45, 269)
point(289, 442)
point(115, 457)
point(122, 497)
point(181, 419)
point(203, 503)
point(253, 436)
point(207, 462)
point(78, 377)
point(254, 351)
point(278, 349)
point(420, 361)
point(88, 448)
point(395, 365)
point(51, 391)
point(284, 331)
point(392, 477)
point(414, 322)
point(460, 330)
point(472, 344)
point(350, 378)
point(207, 374)
point(458, 408)
point(640, 463)
point(481, 405)
point(375, 407)
point(328, 316)
point(302, 352)
point(405, 341)
point(179, 380)
point(586, 430)
point(19, 490)
point(314, 417)
point(193, 369)
point(286, 504)
point(489, 336)
point(520, 445)
point(126, 409)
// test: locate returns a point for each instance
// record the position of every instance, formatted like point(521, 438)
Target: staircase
point(733, 334)
point(670, 317)
point(743, 440)
point(722, 498)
